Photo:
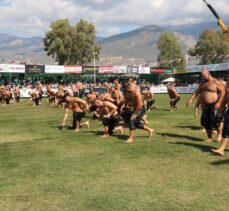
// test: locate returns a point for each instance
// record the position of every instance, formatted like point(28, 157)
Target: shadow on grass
point(180, 136)
point(62, 127)
point(220, 162)
point(100, 133)
point(189, 127)
point(203, 148)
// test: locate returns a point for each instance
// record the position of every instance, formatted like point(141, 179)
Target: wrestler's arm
point(84, 103)
point(111, 107)
point(221, 90)
point(195, 94)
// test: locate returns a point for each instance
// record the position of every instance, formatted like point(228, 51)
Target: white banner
point(120, 69)
point(54, 69)
point(144, 70)
point(12, 68)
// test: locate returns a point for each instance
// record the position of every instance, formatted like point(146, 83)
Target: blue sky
point(32, 18)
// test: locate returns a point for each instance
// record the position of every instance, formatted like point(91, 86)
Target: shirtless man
point(80, 87)
point(149, 99)
point(40, 90)
point(221, 149)
point(78, 107)
point(210, 94)
point(35, 97)
point(16, 93)
point(133, 101)
point(174, 96)
point(108, 111)
point(6, 95)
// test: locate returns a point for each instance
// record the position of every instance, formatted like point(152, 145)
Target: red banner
point(106, 69)
point(73, 69)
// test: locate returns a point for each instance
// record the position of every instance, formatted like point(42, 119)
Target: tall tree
point(71, 44)
point(212, 47)
point(170, 52)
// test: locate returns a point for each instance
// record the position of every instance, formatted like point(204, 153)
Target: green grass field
point(44, 168)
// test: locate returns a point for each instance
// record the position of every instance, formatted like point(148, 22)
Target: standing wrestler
point(79, 108)
point(225, 135)
point(16, 93)
point(40, 90)
point(134, 103)
point(174, 96)
point(210, 93)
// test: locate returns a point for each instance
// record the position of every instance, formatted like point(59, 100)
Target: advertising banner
point(153, 70)
point(73, 69)
point(12, 68)
point(132, 69)
point(210, 67)
point(34, 68)
point(54, 69)
point(90, 70)
point(119, 69)
point(106, 70)
point(144, 70)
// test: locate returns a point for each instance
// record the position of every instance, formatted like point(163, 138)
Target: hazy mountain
point(133, 47)
point(140, 43)
point(194, 29)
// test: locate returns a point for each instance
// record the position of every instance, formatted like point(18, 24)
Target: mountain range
point(138, 46)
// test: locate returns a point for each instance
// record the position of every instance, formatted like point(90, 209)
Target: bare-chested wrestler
point(6, 95)
point(59, 95)
point(225, 135)
point(16, 93)
point(109, 114)
point(148, 97)
point(40, 90)
point(51, 94)
point(174, 96)
point(35, 95)
point(80, 87)
point(210, 93)
point(134, 103)
point(79, 108)
point(90, 98)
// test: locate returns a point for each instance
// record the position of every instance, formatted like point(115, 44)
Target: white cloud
point(109, 16)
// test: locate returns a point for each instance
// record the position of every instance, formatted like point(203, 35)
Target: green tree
point(71, 44)
point(212, 47)
point(170, 52)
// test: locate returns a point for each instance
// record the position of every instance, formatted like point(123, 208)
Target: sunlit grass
point(44, 168)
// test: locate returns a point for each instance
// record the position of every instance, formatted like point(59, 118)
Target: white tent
point(171, 79)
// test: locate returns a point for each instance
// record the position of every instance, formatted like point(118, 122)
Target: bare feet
point(151, 132)
point(219, 139)
point(203, 130)
point(129, 141)
point(208, 141)
point(104, 136)
point(87, 124)
point(119, 129)
point(217, 152)
point(76, 130)
point(214, 131)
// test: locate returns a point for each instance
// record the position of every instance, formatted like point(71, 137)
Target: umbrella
point(171, 79)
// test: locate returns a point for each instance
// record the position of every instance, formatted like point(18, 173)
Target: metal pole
point(94, 53)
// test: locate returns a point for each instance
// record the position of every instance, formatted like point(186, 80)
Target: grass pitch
point(44, 168)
